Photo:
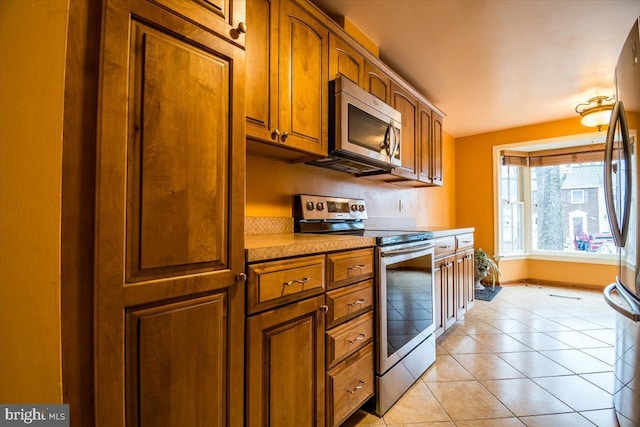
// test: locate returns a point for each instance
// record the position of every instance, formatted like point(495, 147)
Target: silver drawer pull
point(360, 337)
point(466, 241)
point(445, 246)
point(353, 267)
point(358, 387)
point(357, 302)
point(301, 281)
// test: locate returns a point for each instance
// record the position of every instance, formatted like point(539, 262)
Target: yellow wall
point(475, 205)
point(271, 185)
point(32, 41)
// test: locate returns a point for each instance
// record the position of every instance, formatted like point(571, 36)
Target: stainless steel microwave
point(364, 133)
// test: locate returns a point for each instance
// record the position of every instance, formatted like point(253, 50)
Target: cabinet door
point(436, 150)
point(345, 61)
point(469, 278)
point(376, 82)
point(304, 81)
point(169, 216)
point(262, 104)
point(451, 294)
point(460, 280)
point(440, 292)
point(425, 172)
point(176, 362)
point(464, 281)
point(407, 105)
point(224, 17)
point(285, 366)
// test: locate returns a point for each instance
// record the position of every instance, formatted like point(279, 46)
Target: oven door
point(405, 301)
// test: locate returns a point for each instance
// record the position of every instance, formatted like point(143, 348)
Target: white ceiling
point(497, 64)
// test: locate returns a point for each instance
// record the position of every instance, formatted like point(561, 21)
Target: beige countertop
point(261, 247)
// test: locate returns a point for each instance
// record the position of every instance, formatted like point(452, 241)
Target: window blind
point(560, 156)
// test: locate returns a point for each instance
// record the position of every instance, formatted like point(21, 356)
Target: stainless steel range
point(404, 292)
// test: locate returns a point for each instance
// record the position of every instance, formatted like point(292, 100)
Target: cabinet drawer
point(349, 267)
point(349, 385)
point(349, 337)
point(444, 246)
point(464, 241)
point(347, 303)
point(279, 282)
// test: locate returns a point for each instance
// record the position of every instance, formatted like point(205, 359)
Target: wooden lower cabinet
point(285, 366)
point(349, 385)
point(453, 277)
point(445, 281)
point(174, 353)
point(464, 282)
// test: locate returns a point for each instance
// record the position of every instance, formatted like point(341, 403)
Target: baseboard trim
point(542, 282)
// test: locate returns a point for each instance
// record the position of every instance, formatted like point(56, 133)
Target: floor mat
point(487, 294)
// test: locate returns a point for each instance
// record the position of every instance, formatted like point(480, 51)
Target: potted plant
point(483, 266)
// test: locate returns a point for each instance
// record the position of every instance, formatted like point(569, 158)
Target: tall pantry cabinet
point(169, 259)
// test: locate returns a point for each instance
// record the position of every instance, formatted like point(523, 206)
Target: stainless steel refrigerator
point(621, 190)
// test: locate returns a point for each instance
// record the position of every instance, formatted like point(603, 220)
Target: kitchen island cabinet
point(287, 81)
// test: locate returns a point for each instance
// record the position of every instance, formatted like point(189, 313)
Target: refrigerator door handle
point(619, 230)
point(632, 313)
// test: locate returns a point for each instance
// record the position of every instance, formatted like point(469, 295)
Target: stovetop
point(335, 215)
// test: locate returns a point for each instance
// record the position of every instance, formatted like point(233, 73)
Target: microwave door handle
point(387, 139)
point(396, 142)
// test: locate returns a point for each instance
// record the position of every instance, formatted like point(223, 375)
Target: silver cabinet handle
point(358, 387)
point(324, 308)
point(301, 281)
point(357, 302)
point(360, 337)
point(241, 277)
point(275, 134)
point(284, 136)
point(359, 266)
point(242, 28)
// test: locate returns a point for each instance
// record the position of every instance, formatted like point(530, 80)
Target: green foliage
point(485, 265)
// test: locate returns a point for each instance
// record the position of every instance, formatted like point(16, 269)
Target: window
point(577, 197)
point(562, 218)
point(512, 209)
point(553, 201)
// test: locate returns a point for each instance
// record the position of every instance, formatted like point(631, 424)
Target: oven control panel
point(310, 207)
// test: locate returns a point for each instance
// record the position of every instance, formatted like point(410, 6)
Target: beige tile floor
point(534, 356)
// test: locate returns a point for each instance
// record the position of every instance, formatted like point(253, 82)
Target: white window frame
point(542, 144)
point(575, 200)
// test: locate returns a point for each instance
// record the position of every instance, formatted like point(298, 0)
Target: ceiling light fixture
point(594, 113)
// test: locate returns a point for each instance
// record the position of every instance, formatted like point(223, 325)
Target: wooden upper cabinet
point(223, 17)
point(407, 105)
point(262, 102)
point(345, 61)
point(436, 149)
point(425, 136)
point(304, 82)
point(376, 82)
point(287, 81)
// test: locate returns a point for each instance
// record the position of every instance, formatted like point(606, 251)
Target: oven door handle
point(407, 250)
